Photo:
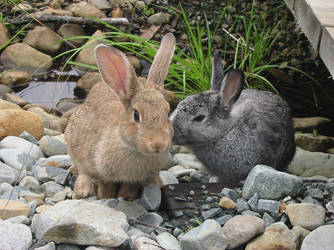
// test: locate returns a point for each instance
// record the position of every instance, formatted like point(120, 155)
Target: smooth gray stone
point(17, 158)
point(209, 214)
point(268, 219)
point(82, 223)
point(168, 241)
point(271, 184)
point(20, 144)
point(268, 206)
point(9, 174)
point(151, 197)
point(242, 205)
point(320, 239)
point(230, 193)
point(28, 137)
point(208, 235)
point(15, 236)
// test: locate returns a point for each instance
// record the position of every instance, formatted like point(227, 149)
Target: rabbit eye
point(136, 115)
point(198, 118)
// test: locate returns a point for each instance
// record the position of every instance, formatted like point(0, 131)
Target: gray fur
point(256, 129)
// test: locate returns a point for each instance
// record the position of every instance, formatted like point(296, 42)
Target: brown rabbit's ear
point(116, 71)
point(231, 89)
point(217, 72)
point(160, 64)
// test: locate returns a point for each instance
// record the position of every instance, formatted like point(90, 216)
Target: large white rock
point(14, 236)
point(81, 222)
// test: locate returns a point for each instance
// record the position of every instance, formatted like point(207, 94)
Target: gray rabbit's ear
point(116, 72)
point(217, 72)
point(232, 86)
point(161, 61)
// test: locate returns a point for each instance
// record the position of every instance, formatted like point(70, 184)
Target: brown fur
point(108, 147)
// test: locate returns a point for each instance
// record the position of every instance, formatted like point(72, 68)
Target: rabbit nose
point(158, 146)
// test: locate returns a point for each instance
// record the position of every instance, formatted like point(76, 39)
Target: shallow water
point(47, 93)
point(50, 90)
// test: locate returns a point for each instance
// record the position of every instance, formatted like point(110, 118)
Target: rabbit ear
point(116, 71)
point(160, 64)
point(217, 72)
point(232, 86)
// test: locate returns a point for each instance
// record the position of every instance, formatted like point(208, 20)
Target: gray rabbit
point(231, 130)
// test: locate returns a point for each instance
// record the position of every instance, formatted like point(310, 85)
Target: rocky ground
point(269, 210)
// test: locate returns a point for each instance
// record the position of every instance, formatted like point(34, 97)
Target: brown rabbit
point(120, 137)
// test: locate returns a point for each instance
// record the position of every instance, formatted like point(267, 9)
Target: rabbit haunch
point(120, 137)
point(231, 130)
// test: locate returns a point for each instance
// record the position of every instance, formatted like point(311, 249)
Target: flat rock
point(309, 142)
point(167, 178)
point(14, 77)
point(208, 235)
point(307, 215)
point(83, 223)
point(18, 143)
point(180, 171)
point(309, 123)
point(14, 121)
point(53, 145)
point(68, 30)
point(241, 228)
point(43, 39)
point(85, 9)
point(12, 208)
point(17, 158)
point(188, 161)
point(8, 174)
point(151, 197)
point(308, 164)
point(320, 239)
point(20, 219)
point(276, 236)
point(15, 236)
point(24, 57)
point(269, 183)
point(59, 161)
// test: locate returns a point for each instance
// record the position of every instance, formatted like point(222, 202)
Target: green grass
point(190, 70)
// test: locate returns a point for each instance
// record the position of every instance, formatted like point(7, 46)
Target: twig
point(236, 39)
point(67, 19)
point(134, 221)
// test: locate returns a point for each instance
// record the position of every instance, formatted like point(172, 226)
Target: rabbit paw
point(106, 190)
point(84, 186)
point(129, 191)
